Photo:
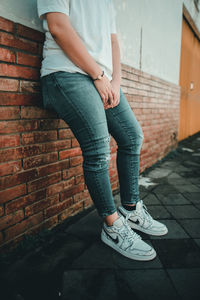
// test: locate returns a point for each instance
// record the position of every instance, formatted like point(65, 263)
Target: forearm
point(69, 41)
point(116, 76)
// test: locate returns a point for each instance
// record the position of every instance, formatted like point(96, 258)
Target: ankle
point(109, 220)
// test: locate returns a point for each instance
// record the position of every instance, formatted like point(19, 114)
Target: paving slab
point(173, 199)
point(159, 212)
point(89, 285)
point(175, 231)
point(192, 197)
point(186, 282)
point(179, 253)
point(148, 284)
point(183, 211)
point(192, 227)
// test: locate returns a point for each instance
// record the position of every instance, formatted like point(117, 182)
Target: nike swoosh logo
point(116, 240)
point(136, 222)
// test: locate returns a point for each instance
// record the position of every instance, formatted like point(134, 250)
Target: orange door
point(189, 121)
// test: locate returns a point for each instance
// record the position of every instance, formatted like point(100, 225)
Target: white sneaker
point(140, 219)
point(123, 239)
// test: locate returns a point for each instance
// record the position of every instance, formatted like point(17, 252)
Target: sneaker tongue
point(119, 222)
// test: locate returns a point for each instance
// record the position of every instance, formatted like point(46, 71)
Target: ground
point(70, 262)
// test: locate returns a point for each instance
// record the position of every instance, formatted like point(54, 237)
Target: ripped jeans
point(76, 100)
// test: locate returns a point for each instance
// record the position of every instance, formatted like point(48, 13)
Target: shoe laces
point(126, 231)
point(145, 213)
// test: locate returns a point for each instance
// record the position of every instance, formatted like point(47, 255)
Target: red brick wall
point(41, 180)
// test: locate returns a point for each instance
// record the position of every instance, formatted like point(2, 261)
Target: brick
point(11, 193)
point(29, 112)
point(39, 160)
point(28, 60)
point(7, 113)
point(38, 137)
point(75, 143)
point(78, 170)
point(11, 219)
point(18, 99)
point(52, 168)
point(55, 145)
point(18, 178)
point(9, 85)
point(23, 226)
point(10, 40)
point(7, 55)
point(15, 205)
point(41, 205)
point(80, 196)
point(53, 210)
point(6, 25)
point(43, 182)
point(18, 126)
point(1, 210)
point(20, 152)
point(9, 140)
point(69, 153)
point(65, 133)
point(30, 33)
point(10, 168)
point(52, 124)
point(18, 71)
point(29, 86)
point(79, 179)
point(71, 191)
point(74, 161)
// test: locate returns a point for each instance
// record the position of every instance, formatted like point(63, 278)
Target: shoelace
point(145, 213)
point(130, 235)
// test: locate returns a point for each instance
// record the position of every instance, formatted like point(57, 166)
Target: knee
point(98, 158)
point(134, 144)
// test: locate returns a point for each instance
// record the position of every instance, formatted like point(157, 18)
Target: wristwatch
point(99, 77)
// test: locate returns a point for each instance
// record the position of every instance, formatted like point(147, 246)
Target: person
point(81, 81)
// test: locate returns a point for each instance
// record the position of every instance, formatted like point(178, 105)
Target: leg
point(124, 127)
point(74, 97)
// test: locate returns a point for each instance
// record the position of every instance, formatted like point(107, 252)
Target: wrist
point(99, 77)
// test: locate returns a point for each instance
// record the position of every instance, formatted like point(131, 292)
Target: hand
point(114, 101)
point(104, 88)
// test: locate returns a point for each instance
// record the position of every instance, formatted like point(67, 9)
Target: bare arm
point(70, 42)
point(116, 76)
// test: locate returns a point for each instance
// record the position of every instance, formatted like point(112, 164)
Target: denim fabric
point(76, 100)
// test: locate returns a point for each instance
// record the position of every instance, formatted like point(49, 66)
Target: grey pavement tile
point(151, 199)
point(178, 181)
point(87, 228)
point(174, 175)
point(186, 282)
point(99, 255)
point(192, 227)
point(195, 180)
point(159, 212)
point(165, 189)
point(89, 285)
point(117, 199)
point(175, 231)
point(159, 172)
point(170, 164)
point(193, 197)
point(197, 241)
point(122, 262)
point(184, 211)
point(190, 188)
point(147, 284)
point(173, 199)
point(179, 253)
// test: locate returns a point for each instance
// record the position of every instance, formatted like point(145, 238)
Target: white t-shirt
point(93, 20)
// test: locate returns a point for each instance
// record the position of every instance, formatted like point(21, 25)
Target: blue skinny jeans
point(74, 97)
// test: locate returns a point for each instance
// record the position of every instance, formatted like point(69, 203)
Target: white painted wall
point(149, 31)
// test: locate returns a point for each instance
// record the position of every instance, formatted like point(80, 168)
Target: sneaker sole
point(148, 231)
point(124, 253)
